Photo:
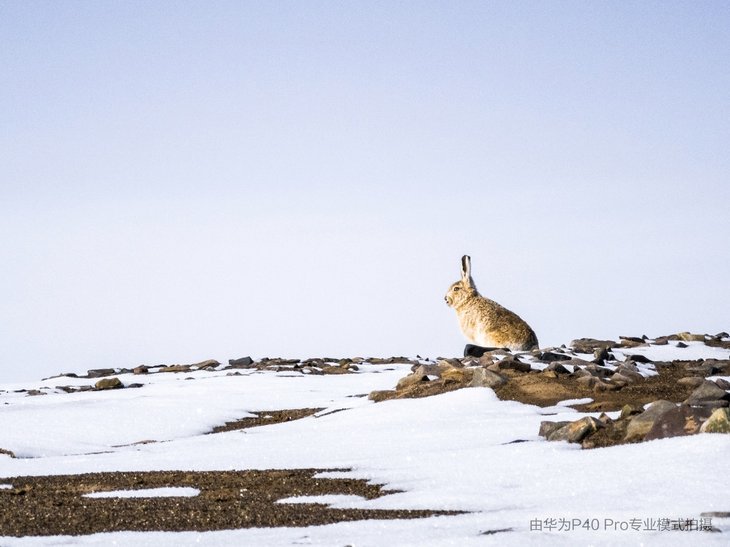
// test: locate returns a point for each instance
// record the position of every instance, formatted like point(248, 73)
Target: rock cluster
point(108, 377)
point(656, 399)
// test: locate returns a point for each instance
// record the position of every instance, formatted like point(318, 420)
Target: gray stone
point(599, 371)
point(575, 432)
point(513, 363)
point(629, 373)
point(486, 378)
point(621, 379)
point(547, 428)
point(550, 357)
point(722, 383)
point(558, 368)
point(640, 425)
point(707, 391)
point(242, 362)
point(100, 372)
point(590, 345)
point(677, 422)
point(638, 358)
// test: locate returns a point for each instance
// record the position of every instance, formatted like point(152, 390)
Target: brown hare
point(483, 321)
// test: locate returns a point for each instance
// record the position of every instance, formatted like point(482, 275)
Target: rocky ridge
point(647, 399)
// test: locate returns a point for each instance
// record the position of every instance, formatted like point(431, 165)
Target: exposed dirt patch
point(268, 417)
point(538, 389)
point(228, 500)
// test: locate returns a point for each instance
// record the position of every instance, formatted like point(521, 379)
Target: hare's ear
point(466, 267)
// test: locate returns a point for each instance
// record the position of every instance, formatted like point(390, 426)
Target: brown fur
point(483, 321)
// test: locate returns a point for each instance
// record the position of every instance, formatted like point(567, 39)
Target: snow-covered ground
point(453, 451)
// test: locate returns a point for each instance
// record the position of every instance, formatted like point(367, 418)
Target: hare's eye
point(456, 288)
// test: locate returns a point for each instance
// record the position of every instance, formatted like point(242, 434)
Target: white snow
point(454, 451)
point(167, 492)
point(338, 501)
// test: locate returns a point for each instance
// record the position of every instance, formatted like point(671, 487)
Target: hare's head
point(463, 289)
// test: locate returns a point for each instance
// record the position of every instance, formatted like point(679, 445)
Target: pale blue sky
point(187, 180)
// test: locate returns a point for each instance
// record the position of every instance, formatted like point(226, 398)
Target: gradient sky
point(185, 180)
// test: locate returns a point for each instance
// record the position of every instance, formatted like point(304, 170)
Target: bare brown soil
point(268, 417)
point(536, 388)
point(228, 500)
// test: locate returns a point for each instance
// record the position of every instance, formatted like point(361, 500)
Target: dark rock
point(642, 423)
point(707, 391)
point(142, 369)
point(601, 355)
point(513, 363)
point(681, 345)
point(9, 453)
point(590, 345)
point(575, 432)
point(549, 357)
point(722, 383)
point(709, 367)
point(627, 372)
point(558, 368)
point(718, 422)
point(35, 392)
point(598, 371)
point(486, 378)
point(677, 422)
point(109, 383)
point(242, 362)
point(639, 359)
point(100, 372)
point(470, 350)
point(547, 428)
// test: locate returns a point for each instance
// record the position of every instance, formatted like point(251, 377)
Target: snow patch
point(338, 501)
point(167, 492)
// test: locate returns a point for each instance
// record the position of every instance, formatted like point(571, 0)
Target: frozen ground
point(454, 451)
